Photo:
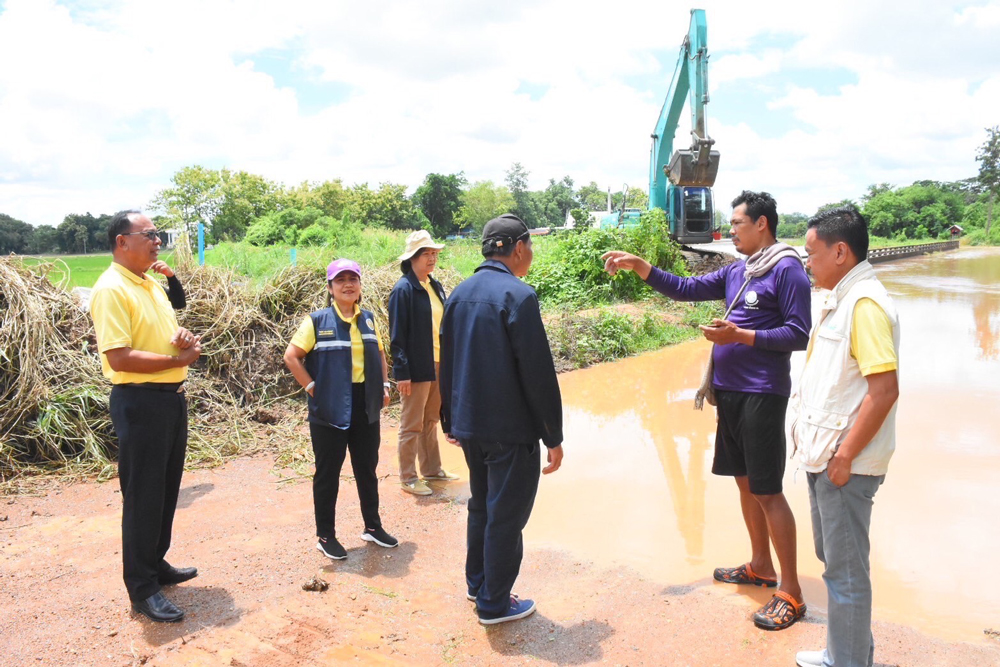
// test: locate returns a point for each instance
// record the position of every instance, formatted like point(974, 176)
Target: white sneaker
point(417, 488)
point(809, 658)
point(443, 476)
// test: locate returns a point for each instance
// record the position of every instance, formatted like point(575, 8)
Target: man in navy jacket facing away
point(499, 397)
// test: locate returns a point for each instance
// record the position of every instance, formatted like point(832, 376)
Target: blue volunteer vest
point(330, 365)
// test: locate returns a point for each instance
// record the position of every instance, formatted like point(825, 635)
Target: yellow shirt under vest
point(305, 340)
point(437, 313)
point(871, 339)
point(133, 311)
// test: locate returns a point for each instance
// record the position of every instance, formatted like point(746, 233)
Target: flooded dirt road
point(636, 486)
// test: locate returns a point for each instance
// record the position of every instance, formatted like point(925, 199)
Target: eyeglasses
point(151, 234)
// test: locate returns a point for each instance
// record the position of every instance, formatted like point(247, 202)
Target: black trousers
point(151, 426)
point(330, 446)
point(503, 479)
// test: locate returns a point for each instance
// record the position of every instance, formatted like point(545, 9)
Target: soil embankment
point(251, 536)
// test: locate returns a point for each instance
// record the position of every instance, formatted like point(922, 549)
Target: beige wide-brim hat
point(418, 240)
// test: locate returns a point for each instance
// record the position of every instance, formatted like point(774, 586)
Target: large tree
point(245, 197)
point(386, 207)
point(988, 158)
point(330, 197)
point(440, 197)
point(195, 196)
point(15, 235)
point(592, 197)
point(481, 203)
point(553, 204)
point(517, 184)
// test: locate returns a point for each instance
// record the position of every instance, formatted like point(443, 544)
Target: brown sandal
point(780, 612)
point(742, 574)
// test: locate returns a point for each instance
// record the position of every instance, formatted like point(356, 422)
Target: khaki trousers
point(418, 432)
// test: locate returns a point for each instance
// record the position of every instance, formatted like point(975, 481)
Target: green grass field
point(376, 248)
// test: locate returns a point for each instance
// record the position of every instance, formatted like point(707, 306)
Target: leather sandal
point(742, 574)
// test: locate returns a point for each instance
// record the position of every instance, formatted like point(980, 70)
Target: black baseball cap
point(504, 231)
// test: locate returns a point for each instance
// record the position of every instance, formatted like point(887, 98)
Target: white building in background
point(172, 236)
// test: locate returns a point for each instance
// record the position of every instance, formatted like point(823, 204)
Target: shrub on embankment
point(571, 273)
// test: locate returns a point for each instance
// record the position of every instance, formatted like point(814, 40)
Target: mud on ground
point(251, 536)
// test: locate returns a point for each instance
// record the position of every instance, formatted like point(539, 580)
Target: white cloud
point(101, 103)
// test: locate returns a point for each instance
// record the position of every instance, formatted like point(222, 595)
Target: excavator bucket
point(692, 168)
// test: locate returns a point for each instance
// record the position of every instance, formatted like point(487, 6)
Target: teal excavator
point(682, 186)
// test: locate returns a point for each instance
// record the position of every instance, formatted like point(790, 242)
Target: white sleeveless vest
point(832, 388)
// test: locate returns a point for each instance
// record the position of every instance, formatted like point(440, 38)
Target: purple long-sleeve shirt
point(775, 305)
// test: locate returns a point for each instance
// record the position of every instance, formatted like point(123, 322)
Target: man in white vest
point(844, 427)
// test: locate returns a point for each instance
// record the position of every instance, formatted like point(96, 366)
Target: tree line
point(927, 209)
point(237, 205)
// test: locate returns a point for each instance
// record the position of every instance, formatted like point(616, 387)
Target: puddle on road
point(636, 486)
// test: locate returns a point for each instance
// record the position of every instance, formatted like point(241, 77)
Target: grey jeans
point(841, 518)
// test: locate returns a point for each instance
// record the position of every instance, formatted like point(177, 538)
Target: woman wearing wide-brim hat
point(416, 306)
point(336, 355)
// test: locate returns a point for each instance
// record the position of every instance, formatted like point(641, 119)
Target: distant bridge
point(875, 255)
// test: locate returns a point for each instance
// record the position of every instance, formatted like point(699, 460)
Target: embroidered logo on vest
point(750, 300)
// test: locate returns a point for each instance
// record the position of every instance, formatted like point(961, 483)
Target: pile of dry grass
point(54, 401)
point(53, 410)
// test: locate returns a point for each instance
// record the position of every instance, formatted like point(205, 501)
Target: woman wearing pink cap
point(416, 305)
point(337, 357)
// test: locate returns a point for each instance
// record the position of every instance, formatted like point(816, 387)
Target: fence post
point(201, 244)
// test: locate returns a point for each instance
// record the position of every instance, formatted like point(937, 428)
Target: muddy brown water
point(636, 486)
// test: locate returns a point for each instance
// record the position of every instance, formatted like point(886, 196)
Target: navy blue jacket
point(410, 329)
point(498, 382)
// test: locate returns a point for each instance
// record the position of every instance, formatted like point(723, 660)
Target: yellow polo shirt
point(133, 311)
point(305, 340)
point(437, 314)
point(871, 339)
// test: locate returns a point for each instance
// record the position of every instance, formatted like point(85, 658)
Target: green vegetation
point(580, 339)
point(570, 272)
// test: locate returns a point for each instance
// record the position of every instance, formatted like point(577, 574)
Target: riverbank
point(250, 535)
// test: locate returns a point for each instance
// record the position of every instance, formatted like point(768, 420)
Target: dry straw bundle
point(53, 409)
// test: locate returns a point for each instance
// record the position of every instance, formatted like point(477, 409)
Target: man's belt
point(172, 387)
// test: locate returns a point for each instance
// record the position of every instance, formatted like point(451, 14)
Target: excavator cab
point(692, 214)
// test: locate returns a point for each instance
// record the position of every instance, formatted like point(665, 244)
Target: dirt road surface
point(62, 601)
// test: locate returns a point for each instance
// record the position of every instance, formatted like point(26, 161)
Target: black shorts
point(750, 439)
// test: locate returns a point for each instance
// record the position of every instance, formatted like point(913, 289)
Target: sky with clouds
point(101, 101)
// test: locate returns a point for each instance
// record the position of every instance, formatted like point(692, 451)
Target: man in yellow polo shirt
point(145, 355)
point(845, 425)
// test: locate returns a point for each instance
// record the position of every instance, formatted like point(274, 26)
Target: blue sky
point(811, 103)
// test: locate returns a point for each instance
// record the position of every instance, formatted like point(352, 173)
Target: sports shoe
point(470, 596)
point(331, 548)
point(379, 537)
point(518, 609)
point(809, 658)
point(442, 476)
point(417, 488)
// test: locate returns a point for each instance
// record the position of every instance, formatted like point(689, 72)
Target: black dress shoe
point(158, 608)
point(175, 575)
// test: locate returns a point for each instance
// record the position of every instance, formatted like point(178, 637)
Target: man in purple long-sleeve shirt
point(752, 382)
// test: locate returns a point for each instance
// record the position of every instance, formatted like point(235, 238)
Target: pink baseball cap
point(338, 266)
